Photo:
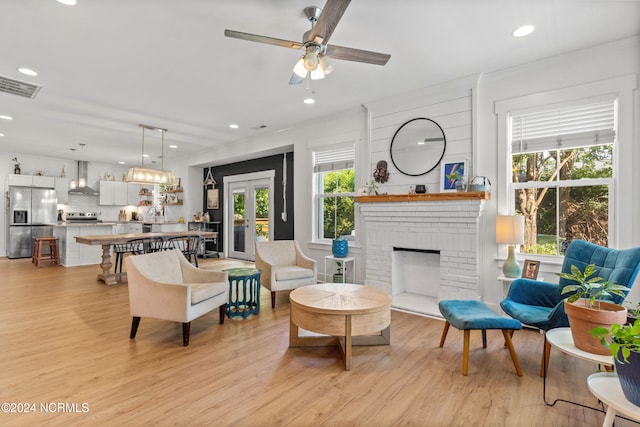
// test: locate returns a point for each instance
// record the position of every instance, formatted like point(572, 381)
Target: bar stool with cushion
point(43, 242)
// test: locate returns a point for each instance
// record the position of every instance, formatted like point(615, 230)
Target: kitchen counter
point(83, 224)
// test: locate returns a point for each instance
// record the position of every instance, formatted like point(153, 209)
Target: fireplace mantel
point(386, 198)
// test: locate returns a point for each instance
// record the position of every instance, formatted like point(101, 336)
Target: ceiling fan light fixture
point(299, 68)
point(317, 74)
point(326, 65)
point(311, 59)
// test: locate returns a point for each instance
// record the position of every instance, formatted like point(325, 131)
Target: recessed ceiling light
point(145, 155)
point(27, 71)
point(67, 2)
point(309, 101)
point(234, 126)
point(173, 146)
point(1, 134)
point(522, 31)
point(6, 117)
point(122, 163)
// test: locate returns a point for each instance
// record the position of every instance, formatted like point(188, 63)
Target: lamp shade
point(510, 229)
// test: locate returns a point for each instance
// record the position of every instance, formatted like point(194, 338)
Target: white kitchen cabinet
point(133, 194)
point(31, 181)
point(44, 181)
point(134, 227)
point(62, 190)
point(161, 228)
point(73, 253)
point(113, 193)
point(107, 195)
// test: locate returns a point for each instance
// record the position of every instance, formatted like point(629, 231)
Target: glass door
point(249, 217)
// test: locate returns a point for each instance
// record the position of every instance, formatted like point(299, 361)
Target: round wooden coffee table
point(350, 314)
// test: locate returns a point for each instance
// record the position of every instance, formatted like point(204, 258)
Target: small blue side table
point(244, 292)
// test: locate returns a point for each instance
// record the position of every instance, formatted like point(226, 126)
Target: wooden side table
point(606, 387)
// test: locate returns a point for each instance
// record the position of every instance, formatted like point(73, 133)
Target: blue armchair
point(541, 305)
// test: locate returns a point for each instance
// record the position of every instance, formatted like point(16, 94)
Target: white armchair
point(284, 266)
point(164, 285)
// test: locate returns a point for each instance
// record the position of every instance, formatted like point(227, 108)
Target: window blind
point(564, 128)
point(334, 159)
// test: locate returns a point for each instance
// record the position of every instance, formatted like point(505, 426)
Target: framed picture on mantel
point(212, 198)
point(451, 170)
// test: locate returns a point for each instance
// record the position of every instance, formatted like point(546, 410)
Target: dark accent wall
point(281, 230)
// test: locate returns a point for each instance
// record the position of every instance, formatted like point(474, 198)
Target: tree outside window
point(337, 207)
point(562, 168)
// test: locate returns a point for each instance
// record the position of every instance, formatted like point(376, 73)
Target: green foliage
point(575, 212)
point(588, 287)
point(624, 339)
point(338, 211)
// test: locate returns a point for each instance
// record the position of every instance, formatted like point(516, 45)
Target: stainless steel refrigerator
point(32, 212)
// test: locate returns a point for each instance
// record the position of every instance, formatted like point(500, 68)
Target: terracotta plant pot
point(582, 319)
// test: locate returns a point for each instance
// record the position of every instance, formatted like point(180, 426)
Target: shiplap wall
point(451, 109)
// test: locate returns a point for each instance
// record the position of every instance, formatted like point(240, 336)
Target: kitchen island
point(108, 240)
point(71, 253)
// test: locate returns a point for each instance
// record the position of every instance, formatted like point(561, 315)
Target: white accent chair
point(284, 266)
point(164, 285)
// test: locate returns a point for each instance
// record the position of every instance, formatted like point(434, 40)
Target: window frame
point(317, 185)
point(620, 208)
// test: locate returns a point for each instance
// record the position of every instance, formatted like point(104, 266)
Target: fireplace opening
point(415, 279)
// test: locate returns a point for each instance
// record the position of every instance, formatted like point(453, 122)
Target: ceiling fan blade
point(262, 39)
point(295, 79)
point(328, 20)
point(357, 55)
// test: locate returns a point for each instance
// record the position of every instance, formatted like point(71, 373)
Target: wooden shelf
point(427, 197)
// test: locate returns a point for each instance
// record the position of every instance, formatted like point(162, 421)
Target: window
point(562, 169)
point(334, 179)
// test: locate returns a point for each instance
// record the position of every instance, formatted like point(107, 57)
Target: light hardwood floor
point(65, 339)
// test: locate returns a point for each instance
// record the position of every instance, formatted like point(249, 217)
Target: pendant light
point(144, 175)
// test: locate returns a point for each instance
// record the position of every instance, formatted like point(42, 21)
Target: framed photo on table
point(530, 270)
point(451, 169)
point(212, 198)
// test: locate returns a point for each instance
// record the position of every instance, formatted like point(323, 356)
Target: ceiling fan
point(315, 59)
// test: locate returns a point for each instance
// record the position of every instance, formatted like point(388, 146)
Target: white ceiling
point(106, 66)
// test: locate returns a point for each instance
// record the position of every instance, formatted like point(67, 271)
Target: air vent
point(16, 87)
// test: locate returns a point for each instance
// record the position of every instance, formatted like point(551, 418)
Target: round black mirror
point(417, 146)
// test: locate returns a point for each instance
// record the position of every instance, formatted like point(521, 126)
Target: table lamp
point(510, 231)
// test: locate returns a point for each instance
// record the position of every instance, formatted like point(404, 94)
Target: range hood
point(82, 179)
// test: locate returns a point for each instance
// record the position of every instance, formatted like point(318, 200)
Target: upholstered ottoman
point(472, 314)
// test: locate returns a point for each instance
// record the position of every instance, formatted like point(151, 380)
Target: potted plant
point(16, 166)
point(585, 308)
point(624, 344)
point(338, 277)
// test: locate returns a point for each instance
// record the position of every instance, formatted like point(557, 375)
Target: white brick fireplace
point(441, 223)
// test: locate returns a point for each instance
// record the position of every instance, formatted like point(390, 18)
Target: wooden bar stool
point(39, 243)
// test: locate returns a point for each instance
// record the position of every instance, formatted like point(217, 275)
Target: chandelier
point(144, 175)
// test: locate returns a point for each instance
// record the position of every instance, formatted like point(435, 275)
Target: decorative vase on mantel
point(16, 169)
point(340, 248)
